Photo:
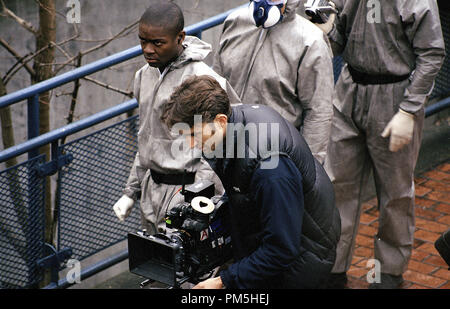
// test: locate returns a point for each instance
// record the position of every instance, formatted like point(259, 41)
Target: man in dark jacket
point(285, 225)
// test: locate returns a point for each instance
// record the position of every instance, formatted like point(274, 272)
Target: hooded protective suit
point(287, 67)
point(398, 39)
point(152, 89)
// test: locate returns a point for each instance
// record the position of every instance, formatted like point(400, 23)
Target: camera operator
point(284, 223)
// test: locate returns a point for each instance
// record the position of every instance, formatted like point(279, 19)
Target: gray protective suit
point(152, 89)
point(404, 37)
point(287, 67)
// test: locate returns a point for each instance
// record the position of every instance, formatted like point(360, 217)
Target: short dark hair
point(197, 95)
point(164, 13)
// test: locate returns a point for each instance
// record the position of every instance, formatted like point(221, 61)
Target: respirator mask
point(266, 13)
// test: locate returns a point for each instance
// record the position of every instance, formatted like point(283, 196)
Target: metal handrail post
point(33, 122)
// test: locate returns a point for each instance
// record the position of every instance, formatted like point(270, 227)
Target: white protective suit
point(287, 67)
point(401, 38)
point(152, 89)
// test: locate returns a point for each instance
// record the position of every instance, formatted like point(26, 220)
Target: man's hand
point(213, 283)
point(400, 129)
point(123, 207)
point(328, 26)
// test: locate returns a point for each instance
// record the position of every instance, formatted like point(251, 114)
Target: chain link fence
point(21, 224)
point(90, 186)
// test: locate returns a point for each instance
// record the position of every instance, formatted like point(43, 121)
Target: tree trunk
point(44, 71)
point(14, 180)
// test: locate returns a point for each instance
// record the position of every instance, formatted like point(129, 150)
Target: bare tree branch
point(31, 56)
point(28, 26)
point(120, 66)
point(109, 87)
point(48, 9)
point(90, 50)
point(58, 47)
point(74, 97)
point(17, 56)
point(60, 94)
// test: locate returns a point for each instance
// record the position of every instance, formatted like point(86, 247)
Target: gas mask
point(266, 13)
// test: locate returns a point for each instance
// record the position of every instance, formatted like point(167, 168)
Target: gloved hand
point(328, 26)
point(123, 207)
point(400, 129)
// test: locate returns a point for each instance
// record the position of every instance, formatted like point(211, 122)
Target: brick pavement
point(426, 270)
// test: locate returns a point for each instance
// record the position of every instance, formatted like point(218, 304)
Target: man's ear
point(180, 37)
point(222, 120)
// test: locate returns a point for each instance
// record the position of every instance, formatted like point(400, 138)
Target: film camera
point(197, 240)
point(319, 10)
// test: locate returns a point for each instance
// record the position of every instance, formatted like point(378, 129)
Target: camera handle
point(144, 283)
point(179, 283)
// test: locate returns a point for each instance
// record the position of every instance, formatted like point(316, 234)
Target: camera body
point(319, 10)
point(197, 240)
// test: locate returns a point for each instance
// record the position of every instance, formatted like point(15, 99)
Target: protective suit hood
point(291, 7)
point(194, 50)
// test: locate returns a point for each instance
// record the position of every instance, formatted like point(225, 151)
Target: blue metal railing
point(35, 141)
point(437, 107)
point(68, 130)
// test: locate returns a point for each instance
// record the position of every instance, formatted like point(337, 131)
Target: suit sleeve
point(423, 28)
point(315, 88)
point(337, 36)
point(133, 186)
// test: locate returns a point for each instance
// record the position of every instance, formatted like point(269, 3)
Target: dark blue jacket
point(284, 223)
